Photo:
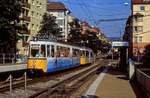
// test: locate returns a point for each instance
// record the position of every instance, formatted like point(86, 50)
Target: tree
point(9, 18)
point(49, 27)
point(75, 31)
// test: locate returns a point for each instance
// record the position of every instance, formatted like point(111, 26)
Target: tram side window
point(48, 50)
point(43, 52)
point(66, 52)
point(82, 53)
point(75, 52)
point(62, 51)
point(52, 51)
point(58, 52)
point(91, 54)
point(87, 54)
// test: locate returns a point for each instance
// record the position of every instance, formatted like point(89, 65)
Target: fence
point(7, 58)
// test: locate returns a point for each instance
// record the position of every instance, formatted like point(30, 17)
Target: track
point(53, 85)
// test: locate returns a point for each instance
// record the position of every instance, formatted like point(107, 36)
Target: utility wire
point(89, 11)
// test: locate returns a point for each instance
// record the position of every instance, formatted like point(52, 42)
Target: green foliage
point(89, 39)
point(49, 26)
point(75, 32)
point(146, 56)
point(9, 18)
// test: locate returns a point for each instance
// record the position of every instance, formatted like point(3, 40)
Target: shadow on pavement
point(139, 92)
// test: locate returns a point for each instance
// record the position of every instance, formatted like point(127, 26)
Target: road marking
point(92, 89)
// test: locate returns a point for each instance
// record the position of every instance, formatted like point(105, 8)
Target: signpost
point(120, 44)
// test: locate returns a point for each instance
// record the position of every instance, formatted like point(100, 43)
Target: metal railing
point(143, 79)
point(10, 80)
point(140, 75)
point(7, 58)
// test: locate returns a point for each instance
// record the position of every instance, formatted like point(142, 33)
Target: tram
point(51, 56)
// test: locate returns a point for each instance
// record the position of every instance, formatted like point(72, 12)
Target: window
point(60, 22)
point(60, 14)
point(87, 54)
point(135, 39)
point(138, 29)
point(139, 19)
point(43, 52)
point(75, 53)
point(34, 50)
point(140, 38)
point(48, 50)
point(142, 8)
point(52, 51)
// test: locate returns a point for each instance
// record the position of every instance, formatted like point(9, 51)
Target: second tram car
point(48, 56)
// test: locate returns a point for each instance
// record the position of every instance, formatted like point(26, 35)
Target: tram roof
point(59, 43)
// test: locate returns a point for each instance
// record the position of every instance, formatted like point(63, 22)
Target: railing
point(141, 76)
point(143, 79)
point(7, 58)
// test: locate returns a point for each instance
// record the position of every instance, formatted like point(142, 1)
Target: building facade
point(31, 17)
point(140, 36)
point(61, 13)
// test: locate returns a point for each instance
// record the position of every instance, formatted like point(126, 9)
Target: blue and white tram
point(48, 56)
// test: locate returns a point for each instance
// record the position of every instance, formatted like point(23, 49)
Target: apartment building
point(31, 17)
point(140, 30)
point(59, 10)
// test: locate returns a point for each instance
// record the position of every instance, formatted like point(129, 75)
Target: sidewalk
point(115, 85)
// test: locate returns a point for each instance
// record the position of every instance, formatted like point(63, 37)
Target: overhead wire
point(89, 11)
point(85, 11)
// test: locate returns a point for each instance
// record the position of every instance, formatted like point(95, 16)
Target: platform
point(12, 67)
point(111, 83)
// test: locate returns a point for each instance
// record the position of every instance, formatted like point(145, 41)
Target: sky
point(94, 11)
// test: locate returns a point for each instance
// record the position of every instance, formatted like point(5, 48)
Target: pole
point(112, 57)
point(10, 81)
point(25, 81)
point(3, 58)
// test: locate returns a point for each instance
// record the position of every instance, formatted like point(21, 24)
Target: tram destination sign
point(120, 44)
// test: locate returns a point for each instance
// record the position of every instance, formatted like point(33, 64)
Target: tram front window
point(35, 53)
point(35, 50)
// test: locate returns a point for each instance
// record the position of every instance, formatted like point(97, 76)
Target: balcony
point(25, 18)
point(24, 31)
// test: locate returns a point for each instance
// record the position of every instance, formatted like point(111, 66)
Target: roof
point(141, 1)
point(56, 6)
